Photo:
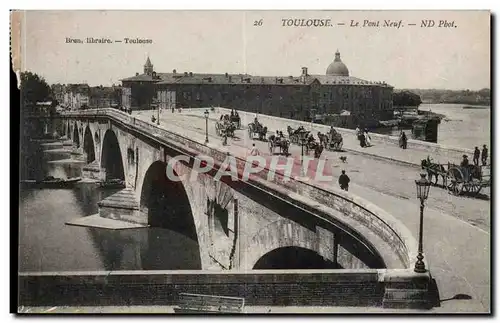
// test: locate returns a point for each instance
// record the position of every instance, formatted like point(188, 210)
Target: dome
point(337, 68)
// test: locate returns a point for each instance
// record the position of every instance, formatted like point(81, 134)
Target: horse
point(323, 139)
point(433, 169)
point(318, 149)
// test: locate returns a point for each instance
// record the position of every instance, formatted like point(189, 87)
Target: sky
point(257, 43)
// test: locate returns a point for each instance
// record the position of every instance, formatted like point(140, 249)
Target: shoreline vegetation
point(465, 97)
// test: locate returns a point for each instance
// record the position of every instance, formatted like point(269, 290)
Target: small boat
point(113, 183)
point(51, 182)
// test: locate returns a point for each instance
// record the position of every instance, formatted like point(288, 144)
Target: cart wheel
point(455, 181)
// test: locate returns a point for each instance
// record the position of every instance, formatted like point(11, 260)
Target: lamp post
point(206, 126)
point(313, 114)
point(423, 186)
point(302, 137)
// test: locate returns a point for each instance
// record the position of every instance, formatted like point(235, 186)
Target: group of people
point(363, 137)
point(483, 154)
point(234, 114)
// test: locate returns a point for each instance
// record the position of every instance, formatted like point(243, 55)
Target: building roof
point(337, 68)
point(198, 78)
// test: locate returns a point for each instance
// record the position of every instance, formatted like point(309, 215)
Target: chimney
point(190, 73)
point(229, 78)
point(185, 73)
point(276, 80)
point(226, 75)
point(304, 71)
point(136, 74)
point(174, 71)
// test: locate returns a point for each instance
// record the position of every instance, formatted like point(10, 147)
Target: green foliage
point(33, 89)
point(481, 97)
point(406, 98)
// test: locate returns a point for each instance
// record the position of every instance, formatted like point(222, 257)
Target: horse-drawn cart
point(333, 140)
point(256, 128)
point(459, 179)
point(294, 134)
point(224, 128)
point(467, 179)
point(281, 142)
point(235, 120)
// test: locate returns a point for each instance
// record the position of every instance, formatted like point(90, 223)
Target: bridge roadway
point(456, 229)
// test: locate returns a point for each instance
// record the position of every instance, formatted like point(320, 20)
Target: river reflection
point(46, 243)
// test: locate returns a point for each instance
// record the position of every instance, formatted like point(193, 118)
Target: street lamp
point(158, 119)
point(423, 186)
point(302, 137)
point(313, 114)
point(206, 126)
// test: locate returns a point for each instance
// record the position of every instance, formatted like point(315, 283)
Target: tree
point(406, 98)
point(33, 89)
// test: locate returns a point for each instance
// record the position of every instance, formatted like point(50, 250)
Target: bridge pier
point(122, 206)
point(93, 171)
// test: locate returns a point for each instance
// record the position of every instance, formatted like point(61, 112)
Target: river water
point(462, 128)
point(46, 243)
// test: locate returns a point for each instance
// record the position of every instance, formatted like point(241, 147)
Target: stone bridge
point(238, 225)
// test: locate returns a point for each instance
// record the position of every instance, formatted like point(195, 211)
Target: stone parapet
point(366, 287)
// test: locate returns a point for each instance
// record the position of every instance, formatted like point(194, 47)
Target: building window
point(198, 96)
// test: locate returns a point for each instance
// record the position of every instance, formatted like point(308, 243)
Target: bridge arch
point(294, 258)
point(167, 205)
point(166, 202)
point(111, 157)
point(272, 241)
point(88, 145)
point(76, 136)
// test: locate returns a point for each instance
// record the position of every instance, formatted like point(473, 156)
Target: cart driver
point(465, 161)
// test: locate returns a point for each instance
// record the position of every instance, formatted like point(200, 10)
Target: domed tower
point(337, 68)
point(148, 67)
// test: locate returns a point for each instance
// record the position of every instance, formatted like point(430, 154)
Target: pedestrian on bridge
point(484, 155)
point(344, 181)
point(254, 151)
point(476, 156)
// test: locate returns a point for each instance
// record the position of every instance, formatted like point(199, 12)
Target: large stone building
point(298, 97)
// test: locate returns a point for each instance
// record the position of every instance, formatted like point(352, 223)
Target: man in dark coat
point(344, 181)
point(404, 140)
point(476, 156)
point(484, 155)
point(465, 161)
